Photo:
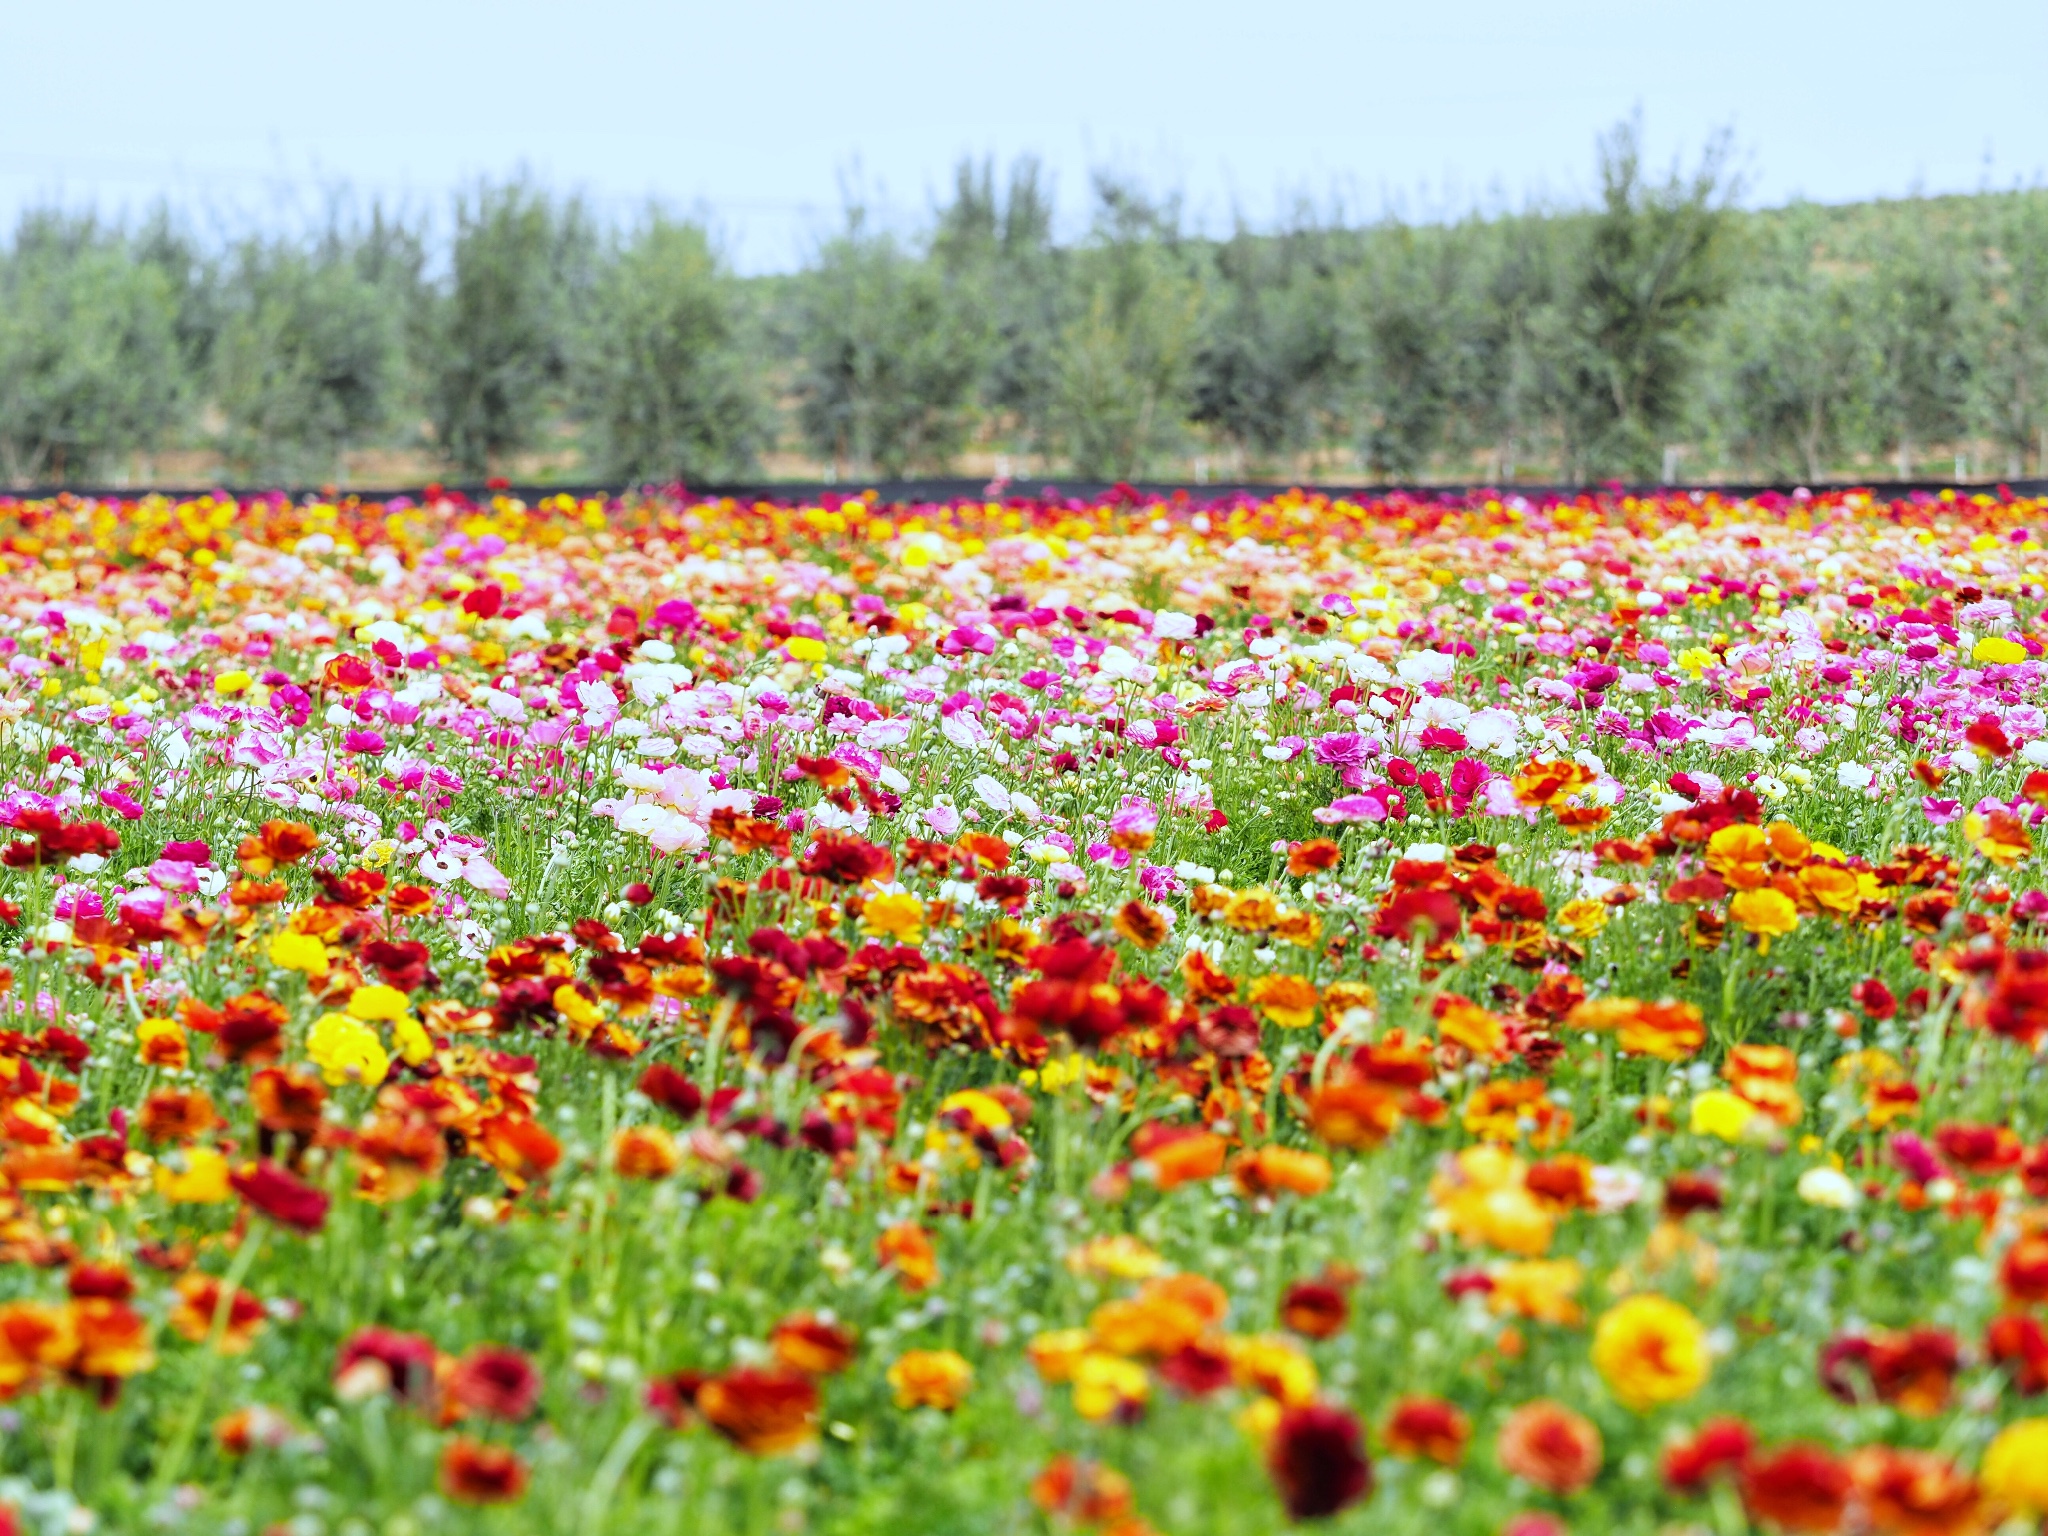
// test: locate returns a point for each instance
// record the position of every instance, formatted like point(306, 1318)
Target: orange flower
point(1737, 853)
point(113, 1339)
point(1547, 783)
point(810, 1344)
point(1916, 1493)
point(1798, 1488)
point(1540, 1290)
point(1289, 1001)
point(1084, 1491)
point(240, 1432)
point(1766, 1077)
point(1315, 1309)
point(1145, 926)
point(1999, 835)
point(930, 1378)
point(1270, 1169)
point(645, 1152)
point(1184, 1157)
point(175, 1114)
point(475, 1473)
point(1668, 1030)
point(1353, 1114)
point(1463, 1022)
point(1312, 857)
point(1427, 1429)
point(764, 1413)
point(907, 1249)
point(1547, 1444)
point(34, 1339)
point(275, 843)
point(518, 1146)
point(199, 1303)
point(288, 1101)
point(1509, 1110)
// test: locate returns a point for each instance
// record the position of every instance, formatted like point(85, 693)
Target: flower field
point(1487, 1015)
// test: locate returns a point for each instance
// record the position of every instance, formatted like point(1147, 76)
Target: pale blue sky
point(759, 113)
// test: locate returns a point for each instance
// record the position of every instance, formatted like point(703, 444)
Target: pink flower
point(173, 875)
point(363, 742)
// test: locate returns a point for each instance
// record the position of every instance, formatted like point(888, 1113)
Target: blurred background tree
point(1659, 328)
point(663, 375)
point(522, 267)
point(310, 355)
point(90, 364)
point(889, 347)
point(1123, 366)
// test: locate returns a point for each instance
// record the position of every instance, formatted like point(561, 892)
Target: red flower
point(1196, 1370)
point(384, 1360)
point(475, 1473)
point(1427, 1428)
point(2019, 1343)
point(1077, 996)
point(846, 860)
point(665, 1086)
point(2018, 1005)
point(1722, 1445)
point(1317, 1460)
point(496, 1382)
point(282, 1196)
point(1314, 1309)
point(1796, 1488)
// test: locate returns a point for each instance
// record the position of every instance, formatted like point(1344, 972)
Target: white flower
point(1426, 667)
point(1829, 1187)
point(1853, 776)
point(1615, 1189)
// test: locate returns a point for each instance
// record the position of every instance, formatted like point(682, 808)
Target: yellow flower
point(2015, 1469)
point(1117, 1256)
point(897, 914)
point(579, 1010)
point(804, 648)
point(1103, 1383)
point(1766, 912)
point(202, 1181)
point(1997, 651)
point(347, 1050)
point(237, 681)
point(1583, 917)
point(1717, 1112)
point(299, 952)
point(1650, 1350)
point(377, 1001)
point(1274, 1366)
point(1539, 1289)
point(161, 1043)
point(1057, 1355)
point(2000, 836)
point(414, 1043)
point(930, 1378)
point(1289, 1001)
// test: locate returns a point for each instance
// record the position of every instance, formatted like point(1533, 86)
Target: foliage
point(89, 363)
point(307, 361)
point(661, 371)
point(890, 348)
point(520, 273)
